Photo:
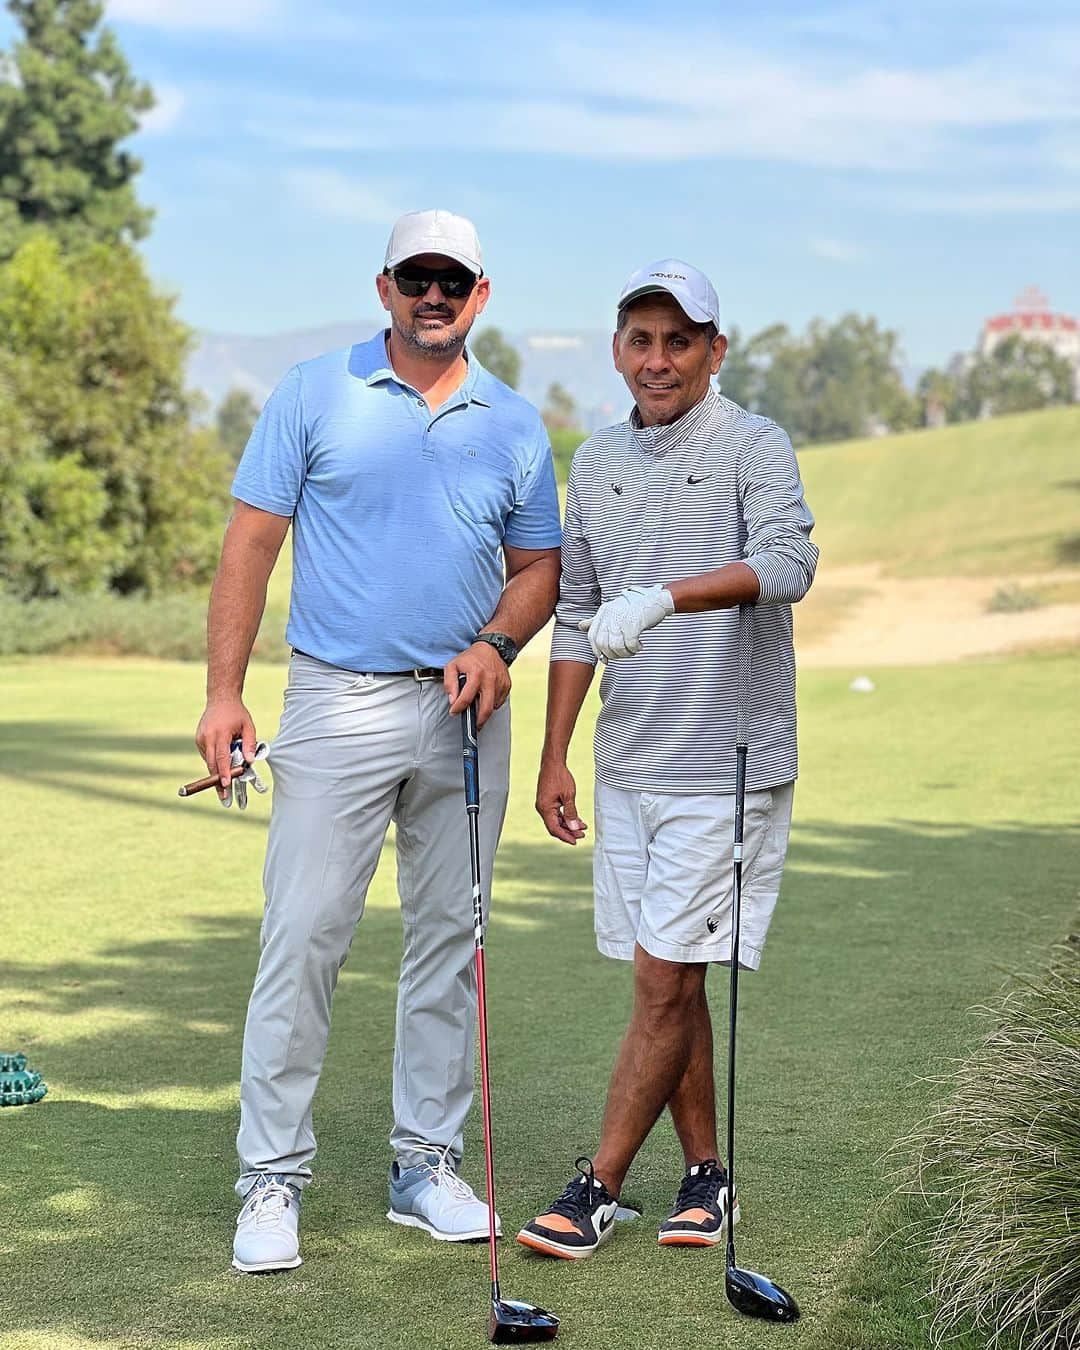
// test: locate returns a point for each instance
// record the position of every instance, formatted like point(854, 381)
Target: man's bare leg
point(653, 1059)
point(693, 1103)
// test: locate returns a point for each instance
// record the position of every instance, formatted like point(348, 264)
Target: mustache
point(429, 311)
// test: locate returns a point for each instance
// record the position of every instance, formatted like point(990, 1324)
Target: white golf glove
point(239, 784)
point(616, 627)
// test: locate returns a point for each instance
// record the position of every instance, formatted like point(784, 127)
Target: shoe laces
point(447, 1178)
point(580, 1198)
point(268, 1200)
point(701, 1186)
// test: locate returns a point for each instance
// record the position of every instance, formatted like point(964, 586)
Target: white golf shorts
point(663, 872)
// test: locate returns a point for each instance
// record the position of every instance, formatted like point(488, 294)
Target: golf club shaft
point(733, 1000)
point(742, 720)
point(212, 780)
point(472, 807)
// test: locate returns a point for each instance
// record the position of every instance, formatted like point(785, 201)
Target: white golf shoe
point(433, 1197)
point(268, 1227)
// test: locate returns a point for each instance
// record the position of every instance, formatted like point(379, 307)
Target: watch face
point(505, 646)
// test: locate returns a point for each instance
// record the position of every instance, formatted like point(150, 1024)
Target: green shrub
point(564, 441)
point(1012, 599)
point(171, 627)
point(1000, 1169)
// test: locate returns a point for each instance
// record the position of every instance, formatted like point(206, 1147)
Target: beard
point(433, 342)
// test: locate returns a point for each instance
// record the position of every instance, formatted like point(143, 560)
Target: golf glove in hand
point(616, 627)
point(239, 784)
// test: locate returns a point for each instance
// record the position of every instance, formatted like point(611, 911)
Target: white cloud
point(334, 194)
point(235, 16)
point(835, 250)
point(1007, 201)
point(587, 93)
point(166, 112)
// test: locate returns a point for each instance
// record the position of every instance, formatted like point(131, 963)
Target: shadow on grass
point(1067, 549)
point(84, 762)
point(123, 1215)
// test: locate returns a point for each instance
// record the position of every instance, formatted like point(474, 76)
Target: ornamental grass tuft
point(999, 1165)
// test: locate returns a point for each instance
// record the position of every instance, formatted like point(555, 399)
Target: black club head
point(756, 1296)
point(513, 1323)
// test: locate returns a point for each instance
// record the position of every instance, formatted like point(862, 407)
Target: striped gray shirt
point(648, 505)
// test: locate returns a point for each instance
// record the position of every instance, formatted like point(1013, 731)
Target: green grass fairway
point(935, 851)
point(979, 498)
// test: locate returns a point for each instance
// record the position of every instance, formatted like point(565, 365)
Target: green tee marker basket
point(19, 1086)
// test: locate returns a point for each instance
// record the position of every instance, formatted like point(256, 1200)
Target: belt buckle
point(423, 674)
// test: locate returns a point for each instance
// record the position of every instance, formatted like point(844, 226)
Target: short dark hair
point(709, 330)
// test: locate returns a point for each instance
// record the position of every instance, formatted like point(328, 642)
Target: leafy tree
point(67, 99)
point(560, 410)
point(853, 381)
point(236, 415)
point(1017, 375)
point(938, 395)
point(839, 380)
point(103, 483)
point(497, 355)
point(738, 378)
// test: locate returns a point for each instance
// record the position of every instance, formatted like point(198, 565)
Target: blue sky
point(919, 163)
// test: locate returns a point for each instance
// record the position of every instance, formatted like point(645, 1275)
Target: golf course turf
point(933, 853)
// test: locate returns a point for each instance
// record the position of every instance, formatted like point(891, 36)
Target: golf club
point(511, 1321)
point(753, 1294)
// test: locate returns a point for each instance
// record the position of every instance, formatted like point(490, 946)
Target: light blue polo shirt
point(399, 514)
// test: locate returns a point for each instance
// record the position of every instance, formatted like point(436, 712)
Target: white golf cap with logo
point(690, 289)
point(434, 232)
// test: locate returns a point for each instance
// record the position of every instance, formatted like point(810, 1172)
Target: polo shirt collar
point(371, 364)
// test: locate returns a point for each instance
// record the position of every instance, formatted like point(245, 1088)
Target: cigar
point(214, 780)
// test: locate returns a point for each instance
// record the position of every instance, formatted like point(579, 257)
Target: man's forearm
point(237, 601)
point(527, 601)
point(568, 683)
point(733, 584)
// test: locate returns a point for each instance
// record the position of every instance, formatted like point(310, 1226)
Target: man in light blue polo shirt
point(425, 546)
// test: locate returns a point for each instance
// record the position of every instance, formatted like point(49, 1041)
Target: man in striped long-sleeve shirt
point(673, 519)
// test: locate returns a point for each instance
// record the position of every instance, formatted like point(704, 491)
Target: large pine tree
point(67, 101)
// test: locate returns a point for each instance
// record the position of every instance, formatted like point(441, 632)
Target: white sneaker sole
point(549, 1247)
point(261, 1267)
point(414, 1221)
point(692, 1237)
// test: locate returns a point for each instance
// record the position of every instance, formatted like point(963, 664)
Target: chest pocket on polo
point(486, 486)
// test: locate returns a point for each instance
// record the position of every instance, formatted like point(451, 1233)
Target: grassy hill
point(980, 498)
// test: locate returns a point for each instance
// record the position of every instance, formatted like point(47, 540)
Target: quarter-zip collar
point(660, 439)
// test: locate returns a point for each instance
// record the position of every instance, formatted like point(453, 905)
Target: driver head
point(513, 1322)
point(757, 1296)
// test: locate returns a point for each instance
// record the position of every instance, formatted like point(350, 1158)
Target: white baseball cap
point(692, 290)
point(434, 232)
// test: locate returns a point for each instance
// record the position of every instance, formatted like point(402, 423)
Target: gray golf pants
point(353, 753)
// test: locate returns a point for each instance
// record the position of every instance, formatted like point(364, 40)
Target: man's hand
point(555, 794)
point(486, 679)
point(615, 629)
point(224, 721)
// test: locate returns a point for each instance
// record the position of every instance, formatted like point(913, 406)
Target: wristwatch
point(503, 644)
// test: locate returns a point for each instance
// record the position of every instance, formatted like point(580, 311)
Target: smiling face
point(665, 358)
point(432, 324)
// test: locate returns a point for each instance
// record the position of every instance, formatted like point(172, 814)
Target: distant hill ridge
point(579, 361)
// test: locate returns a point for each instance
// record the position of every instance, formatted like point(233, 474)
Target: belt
point(419, 673)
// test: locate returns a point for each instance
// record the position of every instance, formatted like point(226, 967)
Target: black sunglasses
point(455, 282)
